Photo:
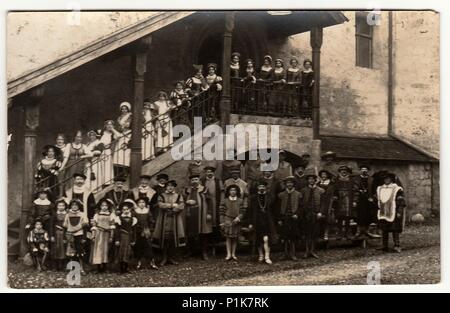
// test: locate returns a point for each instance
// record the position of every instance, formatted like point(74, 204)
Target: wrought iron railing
point(115, 157)
point(271, 99)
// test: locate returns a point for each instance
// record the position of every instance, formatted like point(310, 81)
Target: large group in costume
point(149, 224)
point(152, 224)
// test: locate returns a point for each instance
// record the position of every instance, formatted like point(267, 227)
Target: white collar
point(232, 198)
point(42, 202)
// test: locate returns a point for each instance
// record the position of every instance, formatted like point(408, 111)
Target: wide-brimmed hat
point(79, 175)
point(261, 183)
point(172, 182)
point(43, 190)
point(289, 178)
point(310, 172)
point(344, 168)
point(128, 202)
point(209, 168)
point(325, 171)
point(77, 202)
point(162, 176)
point(108, 201)
point(364, 165)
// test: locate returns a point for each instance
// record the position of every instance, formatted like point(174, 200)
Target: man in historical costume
point(391, 211)
point(284, 167)
point(312, 212)
point(214, 193)
point(236, 179)
point(288, 217)
point(329, 163)
point(198, 212)
point(300, 177)
point(169, 228)
point(345, 195)
point(260, 215)
point(366, 202)
point(145, 191)
point(273, 186)
point(118, 194)
point(162, 180)
point(253, 172)
point(80, 191)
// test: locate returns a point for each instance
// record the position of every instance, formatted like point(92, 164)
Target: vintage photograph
point(223, 148)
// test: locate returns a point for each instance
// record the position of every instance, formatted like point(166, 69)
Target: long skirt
point(125, 250)
point(121, 152)
point(100, 247)
point(58, 247)
point(164, 131)
point(148, 142)
point(93, 172)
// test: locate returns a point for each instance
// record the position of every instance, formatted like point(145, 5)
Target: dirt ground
point(419, 263)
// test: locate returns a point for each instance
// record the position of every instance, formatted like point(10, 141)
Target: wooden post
point(225, 100)
point(316, 43)
point(140, 64)
point(31, 110)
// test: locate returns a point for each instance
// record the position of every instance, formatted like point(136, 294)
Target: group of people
point(285, 205)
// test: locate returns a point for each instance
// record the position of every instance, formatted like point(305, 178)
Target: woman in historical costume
point(261, 219)
point(121, 150)
point(326, 183)
point(293, 80)
point(103, 225)
point(234, 65)
point(288, 217)
point(307, 89)
point(108, 138)
point(48, 168)
point(169, 228)
point(248, 92)
point(213, 80)
point(279, 100)
point(391, 211)
point(78, 153)
point(197, 83)
point(235, 75)
point(232, 211)
point(265, 83)
point(125, 234)
point(93, 166)
point(148, 130)
point(163, 123)
point(144, 229)
point(181, 102)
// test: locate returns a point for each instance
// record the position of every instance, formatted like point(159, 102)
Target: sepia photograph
point(212, 148)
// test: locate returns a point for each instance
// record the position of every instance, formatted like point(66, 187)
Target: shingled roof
point(373, 149)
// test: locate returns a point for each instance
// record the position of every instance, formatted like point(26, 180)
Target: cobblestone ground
point(419, 263)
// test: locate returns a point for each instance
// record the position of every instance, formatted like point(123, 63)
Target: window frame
point(359, 35)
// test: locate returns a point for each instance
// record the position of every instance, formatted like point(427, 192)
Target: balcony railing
point(273, 99)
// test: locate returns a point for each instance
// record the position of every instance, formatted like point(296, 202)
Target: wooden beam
point(31, 111)
point(140, 64)
point(225, 101)
point(316, 40)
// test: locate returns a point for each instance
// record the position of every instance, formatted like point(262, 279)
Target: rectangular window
point(364, 38)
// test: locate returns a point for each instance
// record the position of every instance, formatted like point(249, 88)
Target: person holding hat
point(93, 165)
point(103, 225)
point(325, 182)
point(125, 234)
point(76, 225)
point(145, 191)
point(212, 79)
point(261, 206)
point(366, 201)
point(48, 168)
point(312, 212)
point(232, 211)
point(58, 238)
point(287, 217)
point(169, 228)
point(42, 209)
point(235, 179)
point(38, 240)
point(118, 194)
point(198, 212)
point(391, 211)
point(307, 88)
point(345, 196)
point(234, 65)
point(144, 228)
point(163, 122)
point(197, 83)
point(82, 192)
point(214, 192)
point(162, 180)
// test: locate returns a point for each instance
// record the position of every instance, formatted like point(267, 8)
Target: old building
point(371, 85)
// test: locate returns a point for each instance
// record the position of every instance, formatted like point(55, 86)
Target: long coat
point(169, 224)
point(288, 206)
point(214, 195)
point(346, 193)
point(391, 208)
point(365, 212)
point(197, 221)
point(261, 215)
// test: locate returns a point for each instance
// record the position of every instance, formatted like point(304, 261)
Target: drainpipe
point(390, 74)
